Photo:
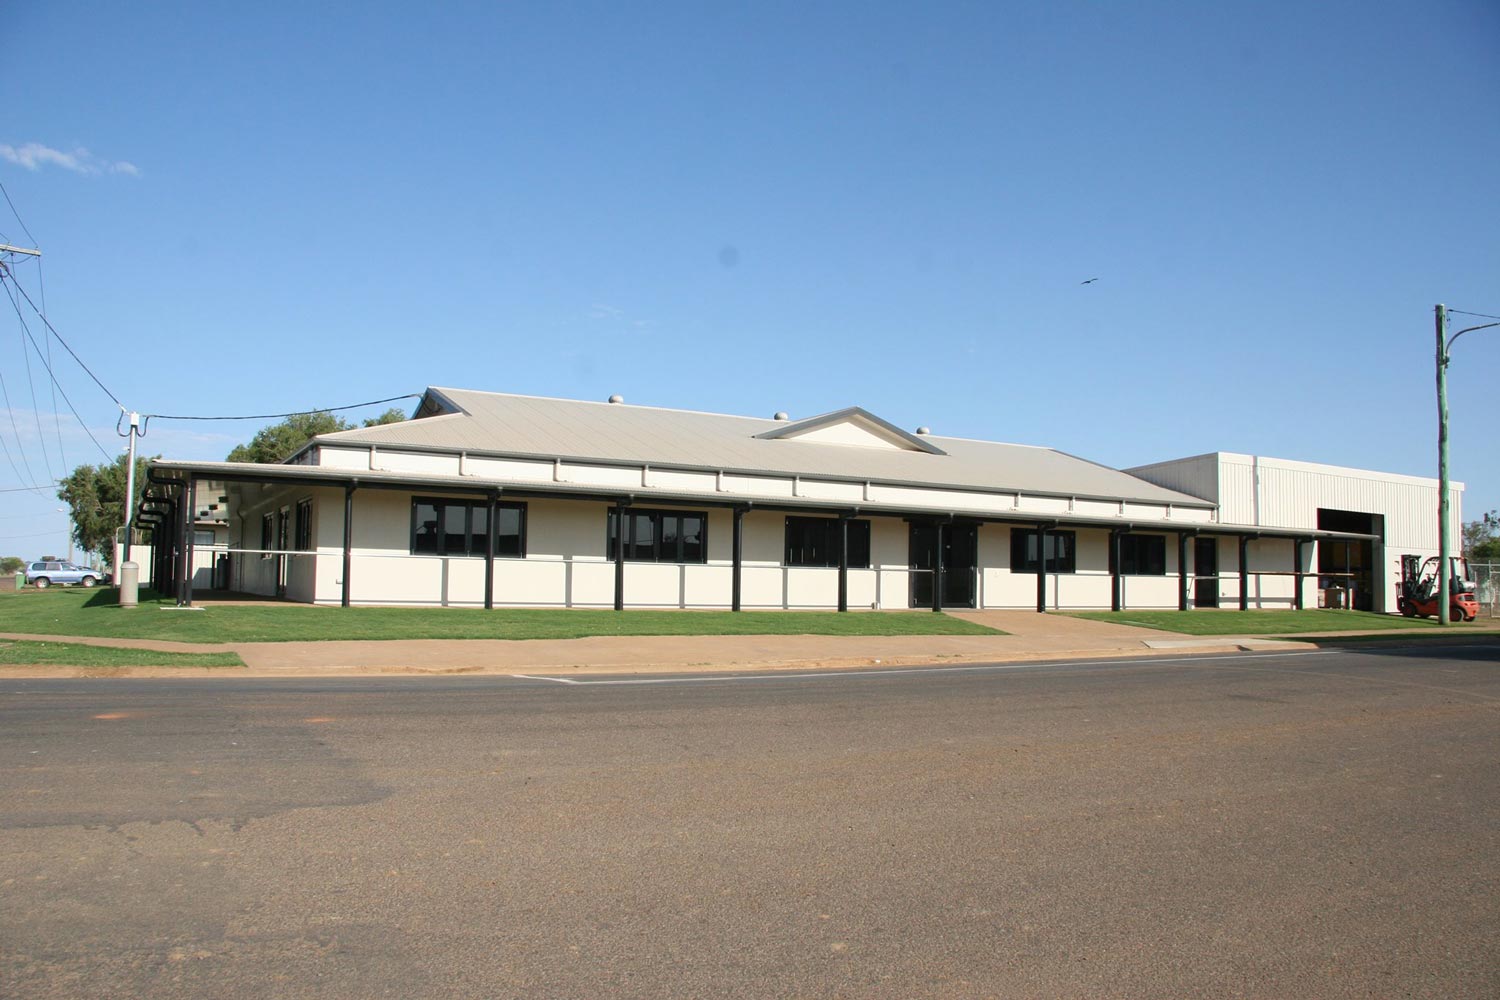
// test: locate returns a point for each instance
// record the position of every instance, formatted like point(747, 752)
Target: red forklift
point(1417, 594)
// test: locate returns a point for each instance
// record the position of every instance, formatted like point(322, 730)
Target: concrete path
point(1030, 637)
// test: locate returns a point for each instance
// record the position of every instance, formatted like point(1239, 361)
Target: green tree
point(279, 442)
point(391, 416)
point(1482, 538)
point(11, 564)
point(96, 496)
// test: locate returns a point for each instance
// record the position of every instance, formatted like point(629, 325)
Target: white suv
point(45, 574)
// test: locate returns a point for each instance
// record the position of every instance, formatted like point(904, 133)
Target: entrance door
point(1206, 569)
point(960, 556)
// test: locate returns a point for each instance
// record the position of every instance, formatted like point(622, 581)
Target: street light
point(1444, 348)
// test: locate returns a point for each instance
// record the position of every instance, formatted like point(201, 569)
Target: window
point(814, 541)
point(267, 534)
point(1061, 551)
point(203, 537)
point(1143, 555)
point(304, 525)
point(459, 528)
point(670, 536)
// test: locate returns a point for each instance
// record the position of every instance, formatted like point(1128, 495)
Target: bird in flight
point(1089, 282)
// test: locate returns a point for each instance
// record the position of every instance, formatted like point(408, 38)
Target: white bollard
point(130, 583)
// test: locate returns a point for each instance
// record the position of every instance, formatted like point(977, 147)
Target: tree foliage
point(279, 442)
point(1482, 538)
point(11, 564)
point(96, 496)
point(391, 416)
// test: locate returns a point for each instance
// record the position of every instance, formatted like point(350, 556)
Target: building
point(488, 499)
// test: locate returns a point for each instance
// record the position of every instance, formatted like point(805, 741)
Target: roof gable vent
point(851, 427)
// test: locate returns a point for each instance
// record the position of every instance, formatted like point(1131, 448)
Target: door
point(1206, 571)
point(960, 556)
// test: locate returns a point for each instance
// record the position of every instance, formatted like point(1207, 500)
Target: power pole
point(1444, 543)
point(135, 423)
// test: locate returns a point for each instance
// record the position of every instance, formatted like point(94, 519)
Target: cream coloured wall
point(566, 565)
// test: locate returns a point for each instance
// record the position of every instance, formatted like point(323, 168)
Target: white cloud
point(35, 156)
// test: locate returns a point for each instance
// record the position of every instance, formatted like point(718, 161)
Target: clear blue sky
point(770, 207)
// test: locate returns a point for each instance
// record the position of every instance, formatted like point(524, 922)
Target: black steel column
point(1182, 547)
point(1116, 600)
point(348, 542)
point(1041, 569)
point(736, 556)
point(937, 568)
point(1244, 573)
point(620, 555)
point(167, 553)
point(1297, 544)
point(492, 510)
point(843, 563)
point(185, 583)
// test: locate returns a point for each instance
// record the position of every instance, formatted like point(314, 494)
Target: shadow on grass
point(106, 597)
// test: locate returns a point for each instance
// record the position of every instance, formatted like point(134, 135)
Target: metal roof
point(492, 423)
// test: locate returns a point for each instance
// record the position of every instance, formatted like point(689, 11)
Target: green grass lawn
point(95, 613)
point(1220, 622)
point(72, 654)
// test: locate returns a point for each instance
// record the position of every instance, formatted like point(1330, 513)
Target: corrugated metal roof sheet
point(534, 426)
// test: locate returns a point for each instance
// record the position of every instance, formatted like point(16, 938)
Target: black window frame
point(802, 552)
point(267, 533)
point(1021, 561)
point(303, 531)
point(656, 516)
point(471, 550)
point(1139, 555)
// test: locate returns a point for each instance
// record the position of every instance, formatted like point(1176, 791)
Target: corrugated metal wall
point(1284, 494)
point(1197, 476)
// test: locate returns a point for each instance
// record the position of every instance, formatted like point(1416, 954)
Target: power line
point(36, 412)
point(11, 411)
point(17, 215)
point(1462, 312)
point(42, 290)
point(6, 271)
point(102, 450)
point(278, 416)
point(62, 456)
point(26, 489)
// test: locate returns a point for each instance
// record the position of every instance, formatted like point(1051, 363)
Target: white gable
point(851, 431)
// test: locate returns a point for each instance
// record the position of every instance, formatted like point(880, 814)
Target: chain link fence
point(1487, 587)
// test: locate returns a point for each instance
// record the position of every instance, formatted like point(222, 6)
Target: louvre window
point(1061, 551)
point(814, 541)
point(458, 528)
point(668, 536)
point(304, 525)
point(1143, 555)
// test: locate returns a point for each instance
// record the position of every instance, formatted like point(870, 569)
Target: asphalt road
point(1317, 825)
